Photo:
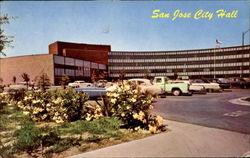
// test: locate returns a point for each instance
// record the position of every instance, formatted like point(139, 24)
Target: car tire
point(176, 92)
point(210, 90)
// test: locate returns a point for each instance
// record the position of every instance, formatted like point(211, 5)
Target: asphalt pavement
point(211, 110)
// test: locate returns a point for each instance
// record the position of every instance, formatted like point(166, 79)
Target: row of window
point(77, 62)
point(183, 73)
point(179, 66)
point(71, 72)
point(181, 52)
point(179, 59)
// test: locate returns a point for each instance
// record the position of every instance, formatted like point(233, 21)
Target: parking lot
point(211, 110)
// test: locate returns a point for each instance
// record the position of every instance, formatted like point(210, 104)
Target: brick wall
point(90, 52)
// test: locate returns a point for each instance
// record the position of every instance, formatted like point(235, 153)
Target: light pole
point(243, 35)
point(243, 40)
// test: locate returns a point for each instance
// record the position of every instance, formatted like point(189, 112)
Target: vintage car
point(239, 82)
point(79, 84)
point(210, 87)
point(223, 82)
point(147, 86)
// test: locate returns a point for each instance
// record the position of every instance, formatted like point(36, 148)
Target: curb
point(239, 101)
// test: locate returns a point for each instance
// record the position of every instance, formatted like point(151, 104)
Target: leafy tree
point(14, 79)
point(122, 74)
point(98, 75)
point(5, 41)
point(43, 81)
point(147, 74)
point(26, 78)
point(94, 76)
point(64, 81)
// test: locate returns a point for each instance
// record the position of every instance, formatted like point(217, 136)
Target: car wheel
point(210, 90)
point(176, 92)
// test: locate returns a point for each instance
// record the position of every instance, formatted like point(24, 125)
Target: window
point(86, 64)
point(102, 66)
point(59, 72)
point(79, 62)
point(87, 72)
point(59, 60)
point(70, 72)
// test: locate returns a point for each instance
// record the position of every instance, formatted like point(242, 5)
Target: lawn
point(58, 140)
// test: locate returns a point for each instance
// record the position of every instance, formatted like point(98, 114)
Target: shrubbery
point(126, 102)
point(129, 104)
point(58, 106)
point(30, 137)
point(132, 107)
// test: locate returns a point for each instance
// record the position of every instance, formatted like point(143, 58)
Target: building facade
point(33, 65)
point(80, 61)
point(215, 62)
point(76, 60)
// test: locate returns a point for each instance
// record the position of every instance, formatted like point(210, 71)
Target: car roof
point(138, 79)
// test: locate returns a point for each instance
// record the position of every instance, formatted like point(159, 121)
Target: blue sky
point(126, 25)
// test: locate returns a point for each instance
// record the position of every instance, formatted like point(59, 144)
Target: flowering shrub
point(15, 95)
point(69, 105)
point(129, 104)
point(3, 98)
point(92, 112)
point(58, 106)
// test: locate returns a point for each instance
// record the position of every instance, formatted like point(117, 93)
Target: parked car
point(239, 82)
point(193, 88)
point(170, 87)
point(19, 85)
point(210, 87)
point(79, 84)
point(147, 86)
point(223, 82)
point(102, 83)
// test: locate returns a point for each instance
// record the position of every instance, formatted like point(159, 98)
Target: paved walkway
point(184, 140)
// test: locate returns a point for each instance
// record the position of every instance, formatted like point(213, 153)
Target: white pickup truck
point(193, 88)
point(79, 84)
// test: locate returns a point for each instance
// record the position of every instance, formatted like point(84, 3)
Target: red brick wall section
point(97, 56)
point(53, 48)
point(91, 52)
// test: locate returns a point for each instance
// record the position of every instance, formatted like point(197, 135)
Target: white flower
point(26, 112)
point(113, 100)
point(58, 100)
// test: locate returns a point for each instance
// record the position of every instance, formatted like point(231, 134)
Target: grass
point(21, 138)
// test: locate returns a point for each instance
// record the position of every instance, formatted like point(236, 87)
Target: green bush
point(49, 136)
point(28, 137)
